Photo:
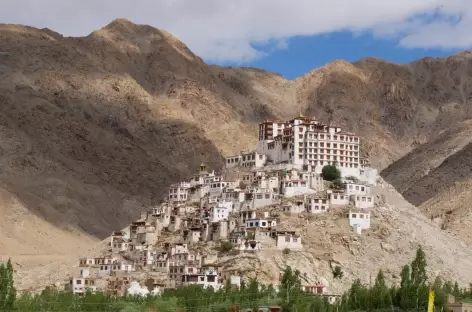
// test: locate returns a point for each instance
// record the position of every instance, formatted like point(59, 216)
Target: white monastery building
point(306, 141)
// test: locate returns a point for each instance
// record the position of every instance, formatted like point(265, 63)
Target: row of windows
point(361, 216)
point(326, 151)
point(256, 223)
point(335, 137)
point(309, 209)
point(293, 239)
point(362, 188)
point(114, 267)
point(176, 196)
point(328, 145)
point(86, 282)
point(324, 163)
point(331, 157)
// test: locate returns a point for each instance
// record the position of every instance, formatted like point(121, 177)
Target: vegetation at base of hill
point(410, 295)
point(330, 173)
point(7, 290)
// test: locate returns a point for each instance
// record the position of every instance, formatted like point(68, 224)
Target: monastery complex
point(237, 210)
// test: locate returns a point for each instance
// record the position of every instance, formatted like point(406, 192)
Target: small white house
point(338, 199)
point(316, 205)
point(106, 269)
point(208, 277)
point(179, 191)
point(289, 241)
point(217, 187)
point(359, 220)
point(257, 197)
point(294, 208)
point(123, 267)
point(86, 262)
point(295, 188)
point(260, 223)
point(362, 201)
point(162, 264)
point(80, 285)
point(246, 159)
point(357, 189)
point(220, 211)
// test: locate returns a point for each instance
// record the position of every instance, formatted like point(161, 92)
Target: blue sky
point(306, 53)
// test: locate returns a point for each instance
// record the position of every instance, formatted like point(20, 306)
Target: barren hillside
point(94, 129)
point(436, 176)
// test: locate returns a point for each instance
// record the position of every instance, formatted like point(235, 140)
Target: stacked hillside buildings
point(240, 208)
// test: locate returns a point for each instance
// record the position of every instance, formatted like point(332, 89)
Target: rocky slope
point(94, 129)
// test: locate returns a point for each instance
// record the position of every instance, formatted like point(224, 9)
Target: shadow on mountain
point(452, 169)
point(73, 164)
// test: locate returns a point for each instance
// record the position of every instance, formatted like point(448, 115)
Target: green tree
point(456, 292)
point(418, 269)
point(290, 287)
point(380, 292)
point(358, 296)
point(440, 298)
point(418, 279)
point(7, 289)
point(405, 287)
point(330, 173)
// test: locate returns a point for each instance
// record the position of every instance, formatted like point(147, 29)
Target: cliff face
point(94, 129)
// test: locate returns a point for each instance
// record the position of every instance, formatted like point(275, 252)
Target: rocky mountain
point(94, 129)
point(436, 176)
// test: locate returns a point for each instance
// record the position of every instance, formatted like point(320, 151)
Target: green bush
point(286, 251)
point(338, 272)
point(225, 247)
point(330, 173)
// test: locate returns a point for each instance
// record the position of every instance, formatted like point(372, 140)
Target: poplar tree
point(380, 291)
point(7, 289)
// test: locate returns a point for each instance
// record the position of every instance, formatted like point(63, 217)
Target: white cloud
point(223, 30)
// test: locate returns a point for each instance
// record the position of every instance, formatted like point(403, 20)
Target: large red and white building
point(306, 141)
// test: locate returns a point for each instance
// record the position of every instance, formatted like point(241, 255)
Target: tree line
point(410, 295)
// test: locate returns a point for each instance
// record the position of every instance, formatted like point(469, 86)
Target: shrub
point(336, 184)
point(338, 272)
point(330, 173)
point(225, 247)
point(286, 251)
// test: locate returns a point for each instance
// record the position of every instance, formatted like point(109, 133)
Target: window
point(287, 239)
point(78, 282)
